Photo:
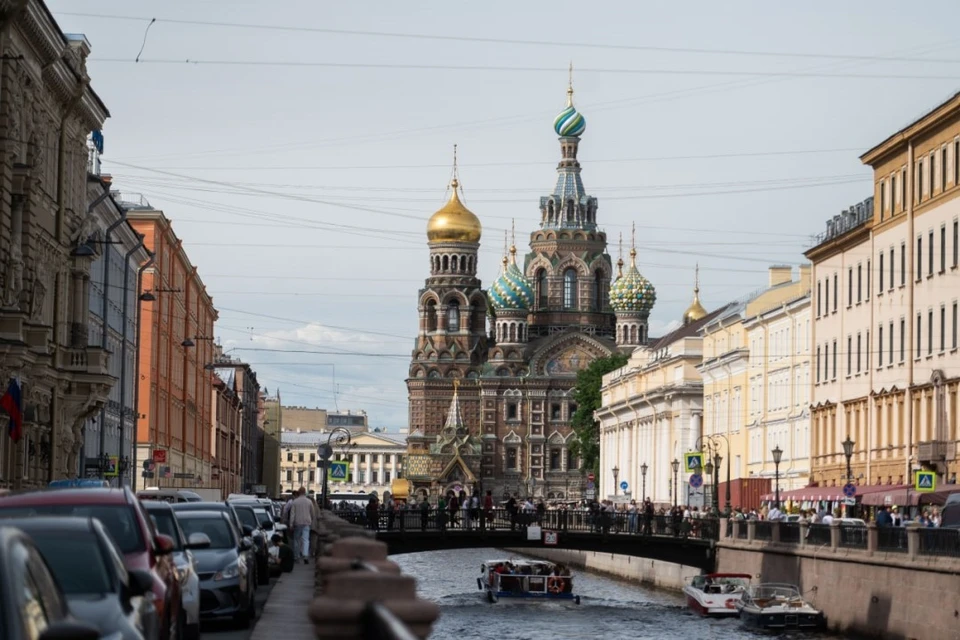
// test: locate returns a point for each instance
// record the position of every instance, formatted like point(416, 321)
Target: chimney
point(805, 273)
point(780, 274)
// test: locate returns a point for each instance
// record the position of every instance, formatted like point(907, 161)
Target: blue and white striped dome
point(512, 290)
point(569, 122)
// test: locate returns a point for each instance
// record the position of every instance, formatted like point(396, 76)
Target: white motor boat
point(716, 594)
point(778, 606)
point(526, 579)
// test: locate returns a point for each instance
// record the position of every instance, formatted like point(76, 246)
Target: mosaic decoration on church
point(417, 466)
point(568, 363)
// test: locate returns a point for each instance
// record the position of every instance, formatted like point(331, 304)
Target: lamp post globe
point(643, 474)
point(777, 456)
point(676, 469)
point(616, 474)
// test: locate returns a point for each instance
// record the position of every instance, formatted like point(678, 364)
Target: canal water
point(610, 609)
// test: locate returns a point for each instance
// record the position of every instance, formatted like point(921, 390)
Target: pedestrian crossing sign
point(693, 462)
point(339, 471)
point(925, 481)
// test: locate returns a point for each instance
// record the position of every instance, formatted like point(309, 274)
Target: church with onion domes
point(493, 370)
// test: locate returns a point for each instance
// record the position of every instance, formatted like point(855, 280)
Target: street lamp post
point(717, 459)
point(676, 470)
point(848, 452)
point(713, 447)
point(643, 474)
point(708, 469)
point(338, 436)
point(777, 455)
point(616, 473)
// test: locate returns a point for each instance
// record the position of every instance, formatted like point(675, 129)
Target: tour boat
point(778, 606)
point(531, 579)
point(716, 594)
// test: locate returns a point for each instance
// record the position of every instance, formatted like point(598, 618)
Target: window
point(555, 459)
point(453, 316)
point(891, 267)
point(859, 283)
point(571, 409)
point(956, 242)
point(932, 172)
point(818, 356)
point(300, 457)
point(893, 194)
point(598, 291)
point(289, 475)
point(867, 290)
point(386, 476)
point(956, 163)
point(313, 457)
point(820, 301)
point(903, 264)
point(834, 360)
point(289, 456)
point(511, 411)
point(512, 458)
point(943, 248)
point(890, 359)
point(849, 355)
point(880, 346)
point(954, 341)
point(859, 354)
point(919, 257)
point(570, 289)
point(373, 477)
point(930, 331)
point(826, 295)
point(943, 328)
point(850, 287)
point(555, 411)
point(363, 457)
point(918, 195)
point(374, 457)
point(919, 337)
point(880, 290)
point(903, 190)
point(883, 198)
point(903, 339)
point(943, 169)
point(836, 291)
point(930, 257)
point(542, 291)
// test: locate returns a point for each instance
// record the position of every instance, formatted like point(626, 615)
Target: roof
point(60, 523)
point(65, 496)
point(687, 330)
point(315, 438)
point(202, 513)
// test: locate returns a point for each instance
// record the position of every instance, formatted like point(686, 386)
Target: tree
point(587, 396)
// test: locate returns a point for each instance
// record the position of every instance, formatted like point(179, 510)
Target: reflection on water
point(610, 609)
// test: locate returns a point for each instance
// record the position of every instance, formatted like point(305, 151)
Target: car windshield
point(216, 528)
point(246, 517)
point(76, 560)
point(165, 523)
point(120, 520)
point(263, 517)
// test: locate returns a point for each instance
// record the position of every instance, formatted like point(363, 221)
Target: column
point(380, 456)
point(393, 466)
point(355, 467)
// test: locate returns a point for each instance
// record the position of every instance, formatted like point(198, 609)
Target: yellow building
point(886, 286)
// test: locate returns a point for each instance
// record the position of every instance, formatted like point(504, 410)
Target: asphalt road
point(227, 630)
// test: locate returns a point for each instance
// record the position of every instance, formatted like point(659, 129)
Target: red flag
point(12, 403)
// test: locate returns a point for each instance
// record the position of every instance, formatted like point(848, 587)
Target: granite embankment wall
point(652, 573)
point(901, 595)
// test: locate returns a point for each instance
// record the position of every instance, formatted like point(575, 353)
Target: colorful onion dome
point(454, 222)
point(512, 290)
point(569, 122)
point(631, 291)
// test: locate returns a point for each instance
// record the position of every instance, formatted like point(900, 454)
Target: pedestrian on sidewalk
point(301, 519)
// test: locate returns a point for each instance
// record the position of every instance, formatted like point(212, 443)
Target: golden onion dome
point(454, 222)
point(695, 311)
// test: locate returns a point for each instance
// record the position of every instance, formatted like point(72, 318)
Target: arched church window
point(453, 316)
point(446, 263)
point(431, 315)
point(570, 289)
point(598, 291)
point(542, 292)
point(453, 263)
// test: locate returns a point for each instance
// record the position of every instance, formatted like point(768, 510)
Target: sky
point(300, 147)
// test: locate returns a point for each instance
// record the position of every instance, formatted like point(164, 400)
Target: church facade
point(492, 376)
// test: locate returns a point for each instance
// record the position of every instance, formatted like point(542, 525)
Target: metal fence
point(939, 542)
point(578, 521)
point(892, 539)
point(854, 537)
point(818, 534)
point(790, 532)
point(763, 530)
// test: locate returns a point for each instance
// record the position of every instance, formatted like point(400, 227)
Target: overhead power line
point(525, 42)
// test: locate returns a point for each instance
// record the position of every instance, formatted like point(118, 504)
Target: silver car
point(165, 521)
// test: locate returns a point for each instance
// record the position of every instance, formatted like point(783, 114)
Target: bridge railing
point(580, 521)
point(913, 541)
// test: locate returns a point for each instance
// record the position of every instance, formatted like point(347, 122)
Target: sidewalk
point(285, 613)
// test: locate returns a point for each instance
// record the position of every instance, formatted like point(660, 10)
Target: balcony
point(937, 451)
point(90, 360)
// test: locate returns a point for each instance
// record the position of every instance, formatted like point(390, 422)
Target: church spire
point(454, 423)
point(695, 311)
point(620, 257)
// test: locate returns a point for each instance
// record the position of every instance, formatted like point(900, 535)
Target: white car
point(165, 521)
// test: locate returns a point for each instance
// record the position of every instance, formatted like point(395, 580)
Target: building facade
point(316, 419)
point(225, 435)
point(175, 390)
point(778, 329)
point(272, 428)
point(47, 112)
point(252, 417)
point(108, 448)
point(551, 314)
point(896, 396)
point(376, 460)
point(651, 413)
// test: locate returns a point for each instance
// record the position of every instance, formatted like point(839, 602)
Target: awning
point(828, 494)
point(904, 495)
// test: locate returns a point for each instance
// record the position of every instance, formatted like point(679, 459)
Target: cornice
point(42, 32)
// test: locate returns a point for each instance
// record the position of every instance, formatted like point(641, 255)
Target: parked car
point(241, 530)
point(32, 604)
point(227, 578)
point(90, 571)
point(165, 521)
point(246, 511)
point(131, 529)
point(169, 495)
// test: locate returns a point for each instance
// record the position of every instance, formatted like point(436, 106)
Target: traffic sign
point(113, 467)
point(590, 494)
point(338, 471)
point(850, 502)
point(591, 477)
point(550, 538)
point(925, 481)
point(591, 485)
point(624, 486)
point(159, 455)
point(693, 462)
point(696, 481)
point(850, 490)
